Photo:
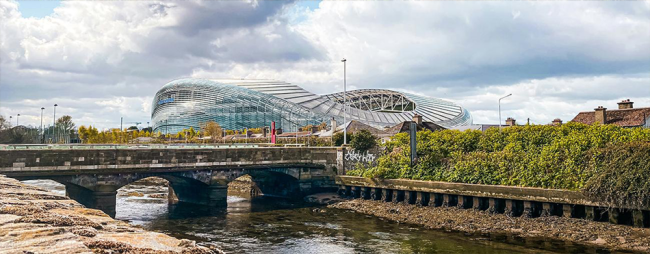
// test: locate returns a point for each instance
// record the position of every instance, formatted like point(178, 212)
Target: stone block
point(567, 211)
point(422, 198)
point(376, 194)
point(388, 195)
point(613, 216)
point(398, 196)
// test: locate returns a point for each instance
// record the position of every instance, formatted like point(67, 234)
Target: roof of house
point(622, 117)
point(354, 126)
point(405, 126)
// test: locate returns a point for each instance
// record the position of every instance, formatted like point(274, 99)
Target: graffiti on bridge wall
point(357, 156)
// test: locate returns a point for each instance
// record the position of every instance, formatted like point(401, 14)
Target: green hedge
point(565, 157)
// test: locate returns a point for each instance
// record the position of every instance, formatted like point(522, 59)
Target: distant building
point(625, 116)
point(420, 125)
point(239, 104)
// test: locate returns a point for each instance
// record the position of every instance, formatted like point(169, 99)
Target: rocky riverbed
point(33, 220)
point(614, 237)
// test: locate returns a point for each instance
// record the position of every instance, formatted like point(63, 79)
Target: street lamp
point(10, 117)
point(500, 108)
point(17, 117)
point(345, 103)
point(54, 123)
point(42, 133)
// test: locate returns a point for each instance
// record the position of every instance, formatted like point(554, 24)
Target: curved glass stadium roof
point(239, 104)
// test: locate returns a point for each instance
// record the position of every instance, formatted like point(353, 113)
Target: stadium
point(239, 104)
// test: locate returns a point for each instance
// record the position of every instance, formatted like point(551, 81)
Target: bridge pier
point(104, 200)
point(193, 193)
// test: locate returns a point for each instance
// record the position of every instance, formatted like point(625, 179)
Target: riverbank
point(33, 220)
point(614, 237)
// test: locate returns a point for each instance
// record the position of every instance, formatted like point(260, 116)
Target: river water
point(266, 225)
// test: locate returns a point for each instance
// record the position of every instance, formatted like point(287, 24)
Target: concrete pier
point(512, 201)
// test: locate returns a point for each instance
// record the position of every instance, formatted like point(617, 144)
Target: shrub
point(621, 175)
point(338, 138)
point(363, 140)
point(531, 156)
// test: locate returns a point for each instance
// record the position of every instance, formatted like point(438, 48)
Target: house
point(406, 126)
point(625, 116)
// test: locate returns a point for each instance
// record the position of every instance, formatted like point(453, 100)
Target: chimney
point(600, 115)
point(417, 119)
point(510, 121)
point(625, 104)
point(557, 122)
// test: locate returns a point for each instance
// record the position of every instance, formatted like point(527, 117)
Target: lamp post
point(42, 133)
point(345, 103)
point(17, 118)
point(500, 109)
point(10, 117)
point(54, 123)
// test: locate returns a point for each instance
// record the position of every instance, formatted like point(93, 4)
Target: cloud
point(102, 60)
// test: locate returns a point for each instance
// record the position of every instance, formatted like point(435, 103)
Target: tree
point(322, 126)
point(83, 134)
point(363, 140)
point(65, 123)
point(337, 139)
point(4, 124)
point(211, 129)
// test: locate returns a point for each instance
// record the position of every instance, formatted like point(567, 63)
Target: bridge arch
point(275, 183)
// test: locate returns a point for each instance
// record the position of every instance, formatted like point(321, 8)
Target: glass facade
point(239, 104)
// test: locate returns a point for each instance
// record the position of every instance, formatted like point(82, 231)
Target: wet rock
point(470, 221)
point(324, 198)
point(35, 221)
point(152, 181)
point(187, 243)
point(84, 231)
point(158, 195)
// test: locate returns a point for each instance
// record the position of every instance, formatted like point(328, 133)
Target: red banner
point(273, 132)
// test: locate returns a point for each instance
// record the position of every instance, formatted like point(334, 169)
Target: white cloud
point(102, 60)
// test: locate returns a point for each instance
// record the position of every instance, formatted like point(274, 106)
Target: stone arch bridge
point(92, 176)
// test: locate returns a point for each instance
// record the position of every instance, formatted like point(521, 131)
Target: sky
point(102, 60)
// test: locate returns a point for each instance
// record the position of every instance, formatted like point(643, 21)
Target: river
point(271, 225)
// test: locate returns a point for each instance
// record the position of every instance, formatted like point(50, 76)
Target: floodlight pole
point(54, 125)
point(500, 109)
point(345, 104)
point(42, 132)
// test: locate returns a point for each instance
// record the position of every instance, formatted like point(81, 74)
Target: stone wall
point(510, 200)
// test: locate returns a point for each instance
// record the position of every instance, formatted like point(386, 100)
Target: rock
point(36, 221)
point(470, 221)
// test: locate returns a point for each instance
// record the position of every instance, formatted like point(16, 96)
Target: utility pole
point(500, 127)
point(42, 133)
point(121, 119)
point(345, 103)
point(54, 124)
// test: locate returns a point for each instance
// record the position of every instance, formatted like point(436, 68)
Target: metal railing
point(123, 146)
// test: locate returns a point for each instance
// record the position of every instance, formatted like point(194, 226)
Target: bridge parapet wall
point(56, 161)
